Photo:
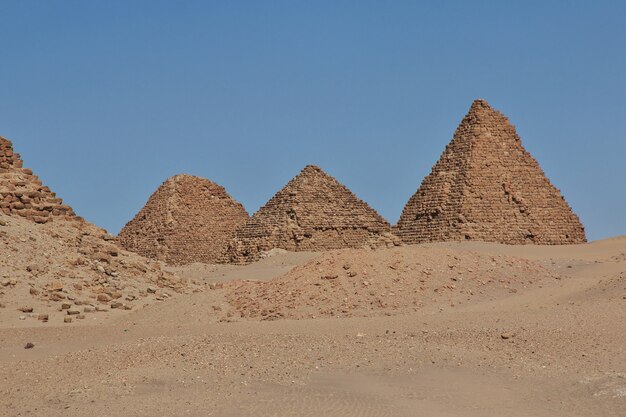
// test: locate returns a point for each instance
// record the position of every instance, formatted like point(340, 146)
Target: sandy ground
point(547, 339)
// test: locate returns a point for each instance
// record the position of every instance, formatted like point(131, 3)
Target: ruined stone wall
point(22, 193)
point(313, 212)
point(487, 187)
point(188, 219)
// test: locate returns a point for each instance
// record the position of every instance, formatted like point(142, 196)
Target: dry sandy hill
point(554, 347)
point(73, 266)
point(55, 266)
point(362, 282)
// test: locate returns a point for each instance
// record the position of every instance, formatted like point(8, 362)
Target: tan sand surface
point(487, 330)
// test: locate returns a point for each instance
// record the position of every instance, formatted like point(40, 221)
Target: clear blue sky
point(106, 99)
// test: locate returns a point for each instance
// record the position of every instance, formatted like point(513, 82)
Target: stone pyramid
point(313, 212)
point(188, 219)
point(22, 193)
point(487, 187)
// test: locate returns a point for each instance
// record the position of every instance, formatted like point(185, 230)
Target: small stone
point(506, 335)
point(116, 305)
point(42, 317)
point(101, 309)
point(115, 294)
point(56, 285)
point(104, 298)
point(55, 296)
point(6, 282)
point(22, 317)
point(65, 306)
point(330, 277)
point(128, 306)
point(29, 345)
point(80, 316)
point(67, 319)
point(89, 309)
point(26, 309)
point(33, 291)
point(151, 290)
point(73, 312)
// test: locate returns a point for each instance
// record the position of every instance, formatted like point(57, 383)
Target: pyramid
point(188, 219)
point(313, 212)
point(22, 193)
point(487, 187)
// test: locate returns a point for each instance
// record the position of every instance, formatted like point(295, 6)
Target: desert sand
point(447, 329)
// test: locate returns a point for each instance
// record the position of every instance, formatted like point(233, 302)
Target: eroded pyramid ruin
point(22, 193)
point(188, 219)
point(487, 187)
point(313, 212)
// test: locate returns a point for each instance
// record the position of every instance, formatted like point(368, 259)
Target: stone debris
point(487, 187)
point(29, 345)
point(188, 219)
point(22, 193)
point(57, 257)
point(313, 212)
point(389, 281)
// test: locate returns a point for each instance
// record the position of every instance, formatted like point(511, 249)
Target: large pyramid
point(313, 212)
point(22, 193)
point(487, 187)
point(188, 219)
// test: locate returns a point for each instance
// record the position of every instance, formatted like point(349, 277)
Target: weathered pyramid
point(21, 192)
point(313, 212)
point(188, 219)
point(487, 187)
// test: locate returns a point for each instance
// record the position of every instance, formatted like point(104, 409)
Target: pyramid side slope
point(23, 194)
point(487, 187)
point(312, 212)
point(187, 219)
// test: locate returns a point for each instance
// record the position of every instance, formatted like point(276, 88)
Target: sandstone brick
point(21, 192)
point(487, 187)
point(188, 219)
point(313, 212)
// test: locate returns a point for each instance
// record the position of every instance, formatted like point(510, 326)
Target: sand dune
point(543, 336)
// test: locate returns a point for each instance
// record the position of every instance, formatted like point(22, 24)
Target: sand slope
point(553, 347)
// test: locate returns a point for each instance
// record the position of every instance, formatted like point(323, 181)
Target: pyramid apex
point(312, 168)
point(187, 178)
point(179, 177)
point(480, 104)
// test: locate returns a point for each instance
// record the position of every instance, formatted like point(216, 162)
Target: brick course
point(487, 187)
point(313, 212)
point(23, 194)
point(188, 219)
